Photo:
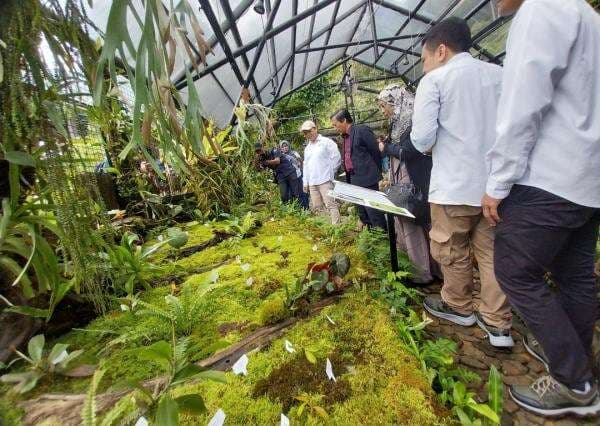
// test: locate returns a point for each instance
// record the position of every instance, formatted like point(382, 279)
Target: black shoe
point(536, 350)
point(498, 337)
point(437, 307)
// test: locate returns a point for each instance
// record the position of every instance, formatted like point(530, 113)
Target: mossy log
point(67, 407)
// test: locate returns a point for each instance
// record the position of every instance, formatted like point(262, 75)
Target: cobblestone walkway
point(517, 367)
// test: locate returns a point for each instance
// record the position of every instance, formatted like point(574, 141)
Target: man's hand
point(381, 146)
point(305, 189)
point(489, 205)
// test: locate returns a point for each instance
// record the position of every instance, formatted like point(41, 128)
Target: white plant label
point(142, 421)
point(329, 319)
point(218, 419)
point(289, 347)
point(240, 366)
point(329, 370)
point(284, 420)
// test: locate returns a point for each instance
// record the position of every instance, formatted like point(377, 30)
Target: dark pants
point(372, 217)
point(290, 188)
point(539, 233)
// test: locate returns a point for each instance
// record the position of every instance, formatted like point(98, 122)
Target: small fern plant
point(181, 312)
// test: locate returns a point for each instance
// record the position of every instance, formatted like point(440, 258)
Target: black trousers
point(539, 233)
point(290, 188)
point(372, 217)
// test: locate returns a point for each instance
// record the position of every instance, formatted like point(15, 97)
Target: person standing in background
point(408, 165)
point(454, 119)
point(321, 161)
point(296, 160)
point(543, 194)
point(362, 162)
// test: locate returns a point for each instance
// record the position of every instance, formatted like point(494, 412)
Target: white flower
point(249, 282)
point(315, 248)
point(245, 267)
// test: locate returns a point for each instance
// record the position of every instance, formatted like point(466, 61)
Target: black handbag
point(410, 197)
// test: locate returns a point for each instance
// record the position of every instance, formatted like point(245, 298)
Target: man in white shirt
point(454, 119)
point(543, 194)
point(321, 160)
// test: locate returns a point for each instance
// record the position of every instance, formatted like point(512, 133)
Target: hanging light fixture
point(259, 7)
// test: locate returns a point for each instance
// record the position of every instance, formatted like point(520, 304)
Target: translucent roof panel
point(296, 40)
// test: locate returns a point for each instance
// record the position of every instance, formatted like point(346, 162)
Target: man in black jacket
point(361, 160)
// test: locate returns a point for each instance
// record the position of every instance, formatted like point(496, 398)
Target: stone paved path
point(517, 367)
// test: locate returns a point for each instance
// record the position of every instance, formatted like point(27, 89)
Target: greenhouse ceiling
point(296, 41)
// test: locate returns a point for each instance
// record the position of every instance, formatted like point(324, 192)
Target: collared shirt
point(321, 160)
point(455, 118)
point(348, 153)
point(548, 129)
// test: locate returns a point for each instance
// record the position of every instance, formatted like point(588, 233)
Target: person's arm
point(537, 55)
point(426, 114)
point(334, 155)
point(369, 141)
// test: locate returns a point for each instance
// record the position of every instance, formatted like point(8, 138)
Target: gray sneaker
point(498, 337)
point(536, 350)
point(437, 307)
point(548, 397)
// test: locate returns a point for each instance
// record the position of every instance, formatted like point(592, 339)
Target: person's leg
point(450, 246)
point(536, 227)
point(284, 190)
point(330, 203)
point(493, 306)
point(295, 188)
point(376, 217)
point(572, 271)
point(363, 216)
point(414, 240)
point(315, 198)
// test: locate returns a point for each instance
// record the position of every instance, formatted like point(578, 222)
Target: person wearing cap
point(284, 172)
point(321, 160)
point(296, 159)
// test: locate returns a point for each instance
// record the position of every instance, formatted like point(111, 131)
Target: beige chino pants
point(319, 198)
point(458, 233)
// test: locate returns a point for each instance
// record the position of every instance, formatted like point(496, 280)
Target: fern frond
point(88, 413)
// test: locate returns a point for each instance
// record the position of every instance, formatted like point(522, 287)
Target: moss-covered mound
point(376, 381)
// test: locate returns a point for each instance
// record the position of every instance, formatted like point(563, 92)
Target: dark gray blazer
point(365, 155)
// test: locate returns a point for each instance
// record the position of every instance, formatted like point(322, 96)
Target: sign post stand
point(375, 200)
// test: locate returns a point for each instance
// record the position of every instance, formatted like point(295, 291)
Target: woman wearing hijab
point(407, 165)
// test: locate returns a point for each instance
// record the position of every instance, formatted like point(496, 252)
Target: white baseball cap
point(307, 125)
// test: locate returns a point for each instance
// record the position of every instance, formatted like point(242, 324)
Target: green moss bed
point(377, 382)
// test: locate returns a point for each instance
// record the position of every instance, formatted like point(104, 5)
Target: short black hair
point(342, 114)
point(453, 32)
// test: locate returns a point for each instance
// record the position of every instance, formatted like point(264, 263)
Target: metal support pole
point(373, 31)
point(391, 228)
point(254, 43)
point(331, 25)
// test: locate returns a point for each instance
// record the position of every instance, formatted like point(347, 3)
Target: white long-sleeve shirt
point(321, 160)
point(548, 128)
point(455, 117)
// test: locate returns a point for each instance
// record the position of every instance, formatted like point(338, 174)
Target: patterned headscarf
point(403, 102)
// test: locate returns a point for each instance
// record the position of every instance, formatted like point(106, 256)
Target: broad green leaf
point(191, 404)
point(186, 372)
point(310, 356)
point(212, 375)
point(159, 352)
point(167, 413)
point(321, 412)
point(177, 238)
point(19, 157)
point(29, 311)
point(462, 416)
point(485, 411)
point(56, 354)
point(35, 347)
point(495, 390)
